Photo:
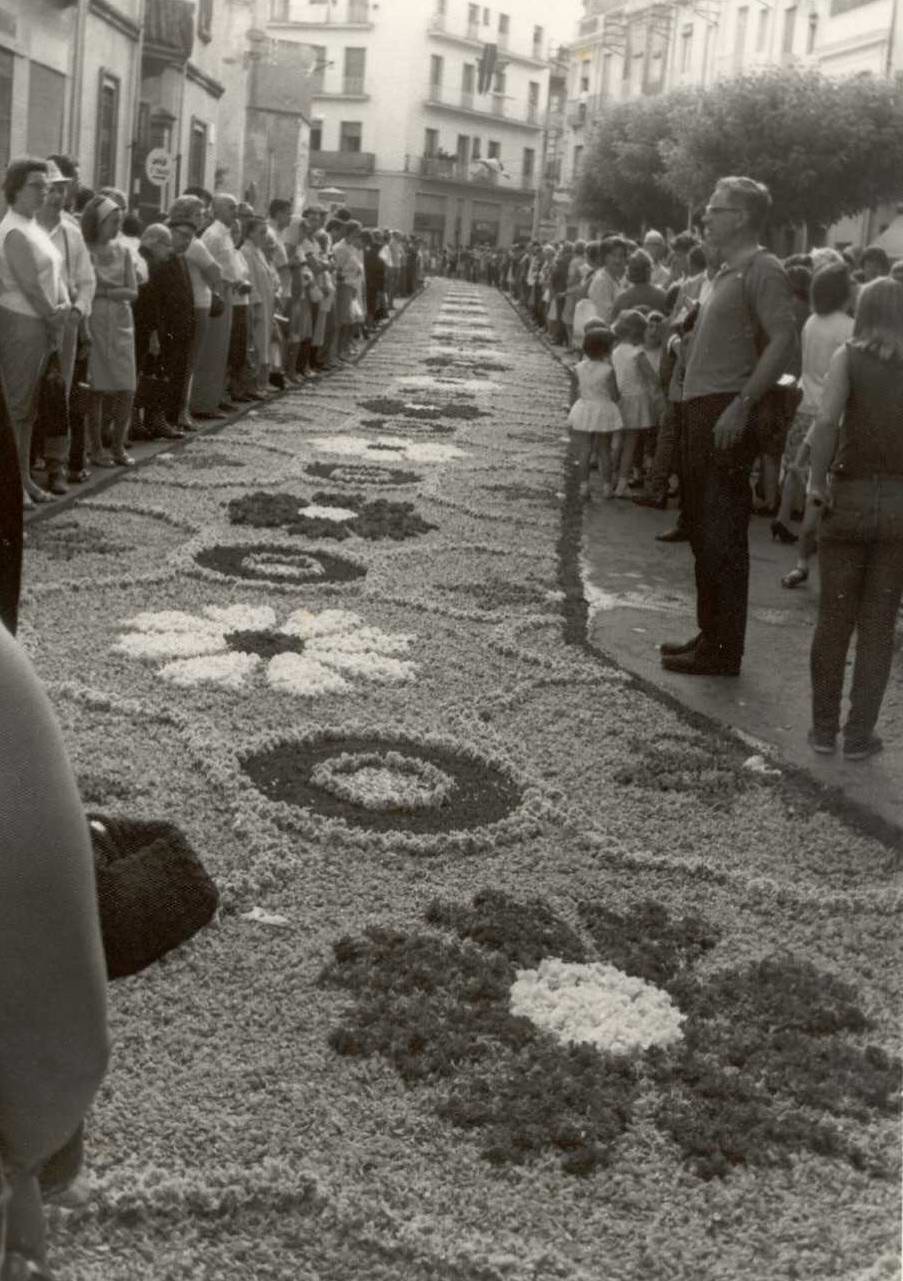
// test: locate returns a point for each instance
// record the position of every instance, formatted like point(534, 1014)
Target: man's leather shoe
point(694, 663)
point(675, 535)
point(670, 648)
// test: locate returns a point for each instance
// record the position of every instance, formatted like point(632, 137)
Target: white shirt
point(78, 270)
point(218, 239)
point(197, 257)
point(47, 259)
point(822, 335)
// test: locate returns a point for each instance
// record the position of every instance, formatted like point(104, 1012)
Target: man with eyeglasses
point(743, 341)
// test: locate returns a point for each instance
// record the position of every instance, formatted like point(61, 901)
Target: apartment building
point(401, 126)
point(626, 48)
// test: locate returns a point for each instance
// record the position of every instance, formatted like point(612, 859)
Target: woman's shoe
point(795, 578)
point(78, 476)
point(122, 459)
point(101, 460)
point(780, 533)
point(621, 491)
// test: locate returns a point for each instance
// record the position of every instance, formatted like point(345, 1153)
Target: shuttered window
point(46, 105)
point(107, 131)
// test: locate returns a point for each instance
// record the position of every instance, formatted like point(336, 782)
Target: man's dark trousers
point(717, 502)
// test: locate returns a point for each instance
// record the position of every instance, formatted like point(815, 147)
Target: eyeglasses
point(713, 209)
point(39, 185)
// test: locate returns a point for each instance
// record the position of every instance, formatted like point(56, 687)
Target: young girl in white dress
point(594, 418)
point(638, 387)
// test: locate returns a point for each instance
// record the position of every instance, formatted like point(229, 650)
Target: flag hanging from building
point(487, 68)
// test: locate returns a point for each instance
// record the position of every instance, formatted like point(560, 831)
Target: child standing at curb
point(637, 383)
point(594, 416)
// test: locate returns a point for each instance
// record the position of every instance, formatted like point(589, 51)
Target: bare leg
point(604, 440)
point(628, 450)
point(581, 443)
point(122, 415)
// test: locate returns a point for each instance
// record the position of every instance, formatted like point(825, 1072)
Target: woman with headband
point(111, 369)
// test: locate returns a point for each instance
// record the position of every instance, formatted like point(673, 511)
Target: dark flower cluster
point(677, 763)
point(385, 405)
point(767, 1066)
point(378, 518)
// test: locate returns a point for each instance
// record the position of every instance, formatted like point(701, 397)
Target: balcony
point(496, 107)
point(348, 87)
point(476, 37)
point(473, 174)
point(350, 13)
point(345, 162)
point(582, 111)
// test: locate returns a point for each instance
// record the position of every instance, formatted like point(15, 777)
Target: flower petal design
point(303, 674)
point(315, 512)
point(230, 670)
point(368, 665)
point(363, 640)
point(166, 620)
point(331, 622)
point(242, 618)
point(203, 639)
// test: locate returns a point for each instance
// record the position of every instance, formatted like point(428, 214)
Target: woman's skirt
point(111, 363)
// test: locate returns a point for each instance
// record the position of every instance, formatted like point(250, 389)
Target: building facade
point(401, 126)
point(627, 48)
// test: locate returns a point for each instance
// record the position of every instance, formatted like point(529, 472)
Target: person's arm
point(82, 271)
point(24, 269)
point(823, 434)
point(773, 307)
point(53, 1027)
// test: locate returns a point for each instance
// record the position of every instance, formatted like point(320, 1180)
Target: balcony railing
point(348, 87)
point(343, 161)
point(498, 105)
point(452, 169)
point(352, 13)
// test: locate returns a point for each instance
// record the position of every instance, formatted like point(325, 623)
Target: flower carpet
point(520, 973)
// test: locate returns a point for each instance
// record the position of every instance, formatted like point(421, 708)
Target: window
point(107, 131)
point(789, 30)
point(205, 18)
point(538, 35)
point(316, 135)
point(578, 160)
point(740, 35)
point(279, 10)
point(468, 75)
point(495, 151)
point(463, 149)
point(318, 74)
point(436, 68)
point(584, 75)
point(529, 164)
point(197, 153)
point(500, 82)
point(606, 74)
point(686, 49)
point(812, 33)
point(504, 26)
point(7, 62)
point(350, 135)
point(762, 31)
point(46, 107)
point(430, 142)
point(355, 63)
point(473, 21)
point(476, 148)
point(485, 17)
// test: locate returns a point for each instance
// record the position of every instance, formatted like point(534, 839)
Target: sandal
point(102, 460)
point(795, 578)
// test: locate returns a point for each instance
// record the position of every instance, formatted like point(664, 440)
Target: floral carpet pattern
point(520, 973)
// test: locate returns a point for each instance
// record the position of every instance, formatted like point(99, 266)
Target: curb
point(575, 617)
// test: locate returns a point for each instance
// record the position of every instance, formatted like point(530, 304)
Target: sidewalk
point(641, 592)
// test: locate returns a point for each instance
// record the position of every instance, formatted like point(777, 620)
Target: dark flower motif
point(427, 411)
point(349, 514)
point(765, 1067)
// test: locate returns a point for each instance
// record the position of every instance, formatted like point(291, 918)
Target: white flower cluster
point(384, 781)
point(362, 447)
point(596, 1004)
point(337, 647)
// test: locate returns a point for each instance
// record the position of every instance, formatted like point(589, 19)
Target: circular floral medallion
point(384, 782)
point(428, 411)
point(362, 474)
point(478, 792)
point(279, 563)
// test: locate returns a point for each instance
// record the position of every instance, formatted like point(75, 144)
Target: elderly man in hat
point(80, 283)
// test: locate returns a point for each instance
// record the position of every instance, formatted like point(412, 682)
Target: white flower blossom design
point(309, 654)
point(596, 1004)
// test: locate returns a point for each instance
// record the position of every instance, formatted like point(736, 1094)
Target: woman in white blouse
point(34, 306)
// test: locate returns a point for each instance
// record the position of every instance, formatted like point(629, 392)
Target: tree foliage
point(825, 148)
point(621, 183)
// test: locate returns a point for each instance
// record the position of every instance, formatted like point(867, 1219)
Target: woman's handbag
point(153, 388)
point(53, 403)
point(356, 311)
point(153, 892)
point(217, 305)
